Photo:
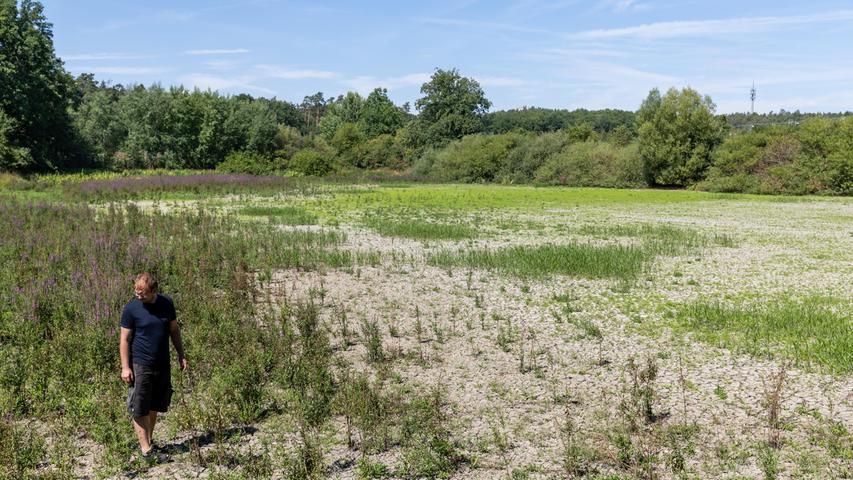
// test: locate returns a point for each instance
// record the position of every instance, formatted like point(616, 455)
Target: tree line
point(52, 121)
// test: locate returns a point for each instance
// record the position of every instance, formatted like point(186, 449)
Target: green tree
point(677, 135)
point(35, 91)
point(452, 107)
point(347, 142)
point(379, 115)
point(12, 158)
point(345, 109)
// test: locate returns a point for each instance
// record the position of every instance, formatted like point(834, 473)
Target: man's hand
point(182, 361)
point(127, 375)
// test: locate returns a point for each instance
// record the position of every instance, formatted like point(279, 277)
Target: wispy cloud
point(622, 6)
point(273, 71)
point(221, 51)
point(705, 28)
point(507, 27)
point(502, 82)
point(212, 82)
point(118, 70)
point(365, 84)
point(102, 56)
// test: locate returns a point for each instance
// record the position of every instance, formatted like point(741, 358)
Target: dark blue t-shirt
point(150, 325)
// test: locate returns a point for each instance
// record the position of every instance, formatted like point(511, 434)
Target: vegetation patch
point(815, 331)
point(420, 229)
point(662, 239)
point(575, 259)
point(281, 215)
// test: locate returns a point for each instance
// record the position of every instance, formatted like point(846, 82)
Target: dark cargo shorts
point(151, 390)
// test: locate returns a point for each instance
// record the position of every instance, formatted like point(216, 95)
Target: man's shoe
point(154, 456)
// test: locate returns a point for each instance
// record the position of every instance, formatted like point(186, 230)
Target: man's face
point(144, 293)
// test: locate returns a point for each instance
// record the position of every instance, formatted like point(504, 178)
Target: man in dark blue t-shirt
point(147, 323)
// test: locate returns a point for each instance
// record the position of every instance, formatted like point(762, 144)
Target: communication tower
point(752, 99)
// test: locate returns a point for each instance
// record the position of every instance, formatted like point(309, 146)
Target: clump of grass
point(429, 451)
point(814, 330)
point(574, 259)
point(421, 230)
point(372, 338)
point(662, 239)
point(281, 215)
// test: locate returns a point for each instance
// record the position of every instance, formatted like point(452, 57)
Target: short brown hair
point(148, 280)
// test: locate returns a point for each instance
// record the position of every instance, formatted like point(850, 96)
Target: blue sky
point(558, 54)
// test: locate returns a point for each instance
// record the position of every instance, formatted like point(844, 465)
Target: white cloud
point(501, 82)
point(101, 56)
point(212, 82)
point(224, 51)
point(114, 70)
point(452, 22)
point(273, 71)
point(704, 28)
point(366, 84)
point(622, 6)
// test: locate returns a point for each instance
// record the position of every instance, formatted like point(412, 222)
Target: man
point(147, 323)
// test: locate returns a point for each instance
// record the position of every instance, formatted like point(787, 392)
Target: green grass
point(575, 259)
point(661, 239)
point(420, 230)
point(478, 197)
point(815, 331)
point(281, 215)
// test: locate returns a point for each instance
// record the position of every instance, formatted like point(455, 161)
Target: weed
point(773, 403)
point(507, 335)
point(21, 451)
point(641, 394)
point(577, 459)
point(428, 449)
point(768, 461)
point(365, 469)
point(372, 338)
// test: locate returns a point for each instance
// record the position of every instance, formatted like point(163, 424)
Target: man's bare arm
point(175, 332)
point(125, 337)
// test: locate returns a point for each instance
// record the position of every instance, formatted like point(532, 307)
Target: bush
point(348, 142)
point(310, 162)
point(475, 158)
point(593, 164)
point(816, 158)
point(246, 162)
point(383, 151)
point(523, 161)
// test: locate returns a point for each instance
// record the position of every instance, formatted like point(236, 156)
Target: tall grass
point(576, 259)
point(68, 272)
point(815, 331)
point(662, 239)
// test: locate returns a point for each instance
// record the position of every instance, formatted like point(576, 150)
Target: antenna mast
point(752, 98)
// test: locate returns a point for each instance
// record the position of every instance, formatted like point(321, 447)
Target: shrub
point(531, 154)
point(475, 158)
point(593, 164)
point(247, 162)
point(310, 162)
point(383, 151)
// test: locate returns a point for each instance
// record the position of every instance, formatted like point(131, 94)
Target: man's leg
point(140, 425)
point(152, 420)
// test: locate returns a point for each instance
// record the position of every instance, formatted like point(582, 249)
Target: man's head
point(145, 287)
